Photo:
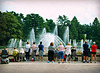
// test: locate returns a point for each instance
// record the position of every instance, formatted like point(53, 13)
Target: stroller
point(4, 56)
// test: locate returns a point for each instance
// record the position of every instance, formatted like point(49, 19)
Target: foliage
point(15, 25)
point(50, 25)
point(63, 20)
point(9, 27)
point(95, 28)
point(62, 23)
point(32, 21)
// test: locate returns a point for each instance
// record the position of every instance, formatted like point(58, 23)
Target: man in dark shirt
point(73, 53)
point(85, 52)
point(41, 50)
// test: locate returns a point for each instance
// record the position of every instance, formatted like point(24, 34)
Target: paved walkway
point(44, 67)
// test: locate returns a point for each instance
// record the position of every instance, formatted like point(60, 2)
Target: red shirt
point(93, 48)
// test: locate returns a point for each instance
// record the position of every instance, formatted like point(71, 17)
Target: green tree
point(74, 27)
point(73, 32)
point(50, 24)
point(9, 27)
point(20, 16)
point(32, 21)
point(63, 20)
point(62, 23)
point(95, 28)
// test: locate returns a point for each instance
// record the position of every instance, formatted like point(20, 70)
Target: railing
point(79, 49)
point(47, 55)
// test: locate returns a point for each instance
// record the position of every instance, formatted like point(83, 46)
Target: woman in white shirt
point(68, 52)
point(27, 51)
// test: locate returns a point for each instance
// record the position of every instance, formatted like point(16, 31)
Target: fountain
point(74, 43)
point(13, 43)
point(55, 30)
point(32, 37)
point(66, 35)
point(89, 42)
point(70, 41)
point(43, 33)
point(82, 44)
point(47, 38)
point(20, 43)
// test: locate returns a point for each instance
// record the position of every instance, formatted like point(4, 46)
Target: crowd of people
point(65, 54)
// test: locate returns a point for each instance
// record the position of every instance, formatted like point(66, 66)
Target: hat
point(93, 42)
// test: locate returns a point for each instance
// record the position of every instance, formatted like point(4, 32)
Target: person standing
point(41, 50)
point(27, 51)
point(60, 48)
point(85, 52)
point(33, 51)
point(68, 52)
point(93, 52)
point(51, 52)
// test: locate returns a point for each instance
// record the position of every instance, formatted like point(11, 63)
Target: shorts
point(85, 53)
point(33, 53)
point(61, 54)
point(40, 53)
point(93, 52)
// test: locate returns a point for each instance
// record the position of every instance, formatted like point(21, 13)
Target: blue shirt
point(85, 46)
point(41, 47)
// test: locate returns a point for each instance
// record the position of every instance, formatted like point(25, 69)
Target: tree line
point(16, 25)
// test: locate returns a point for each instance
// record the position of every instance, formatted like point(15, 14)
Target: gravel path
point(44, 67)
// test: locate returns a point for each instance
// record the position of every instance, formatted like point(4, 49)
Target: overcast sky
point(84, 10)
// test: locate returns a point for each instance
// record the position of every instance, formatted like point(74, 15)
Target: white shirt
point(27, 47)
point(68, 49)
point(21, 50)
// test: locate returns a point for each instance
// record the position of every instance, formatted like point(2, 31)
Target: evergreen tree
point(95, 28)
